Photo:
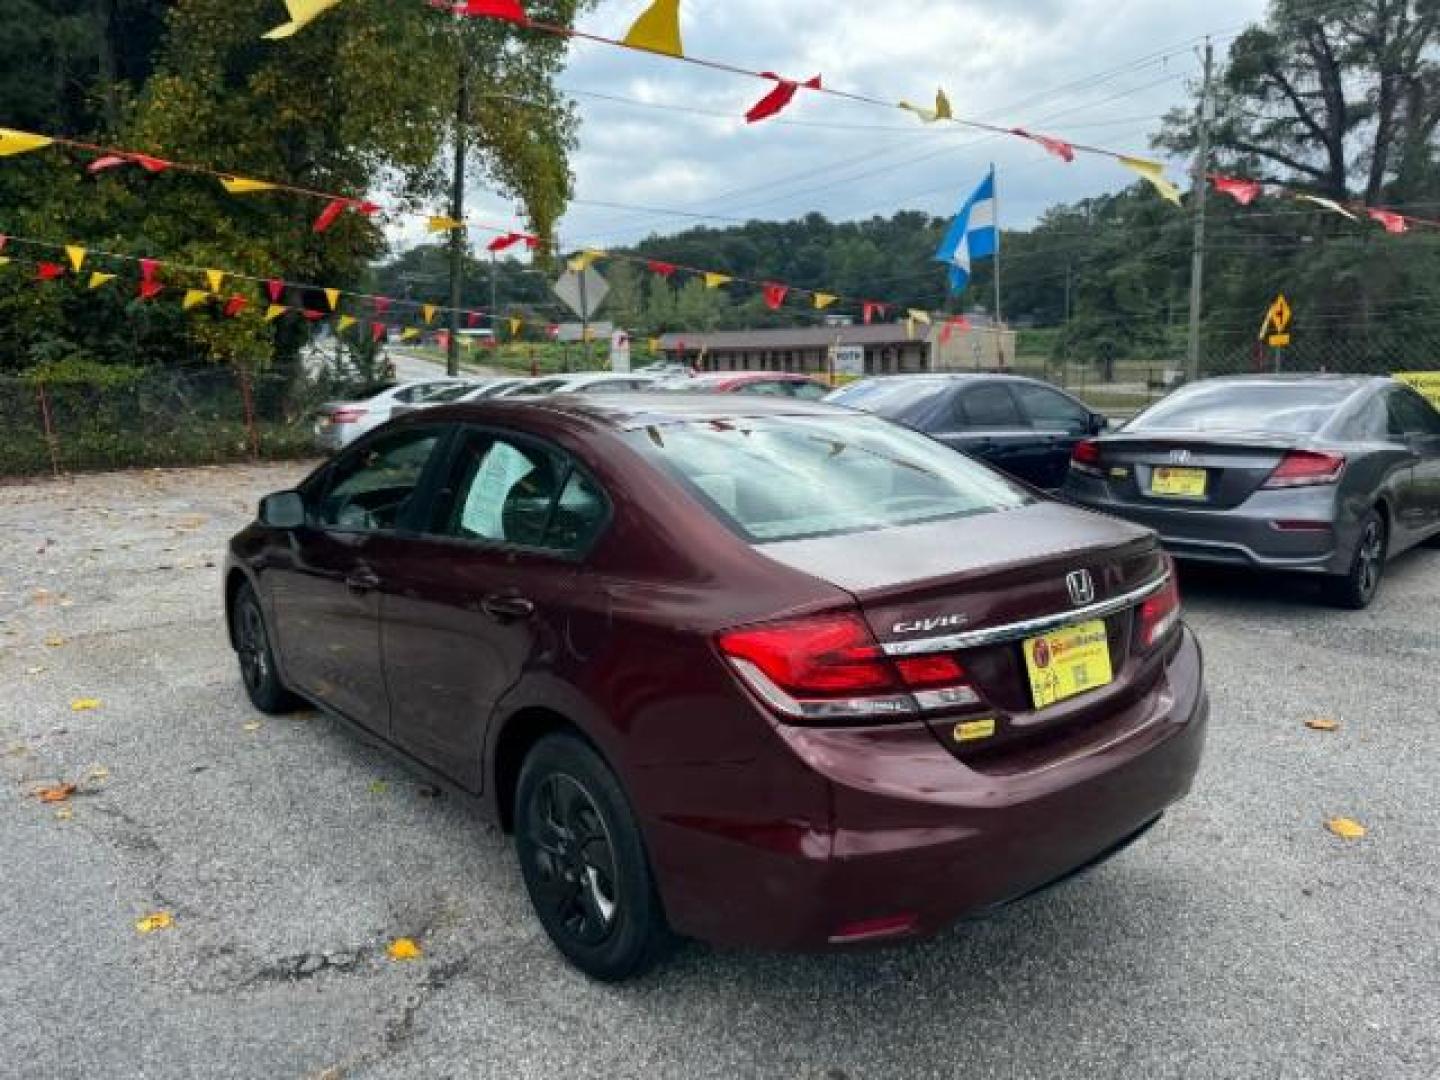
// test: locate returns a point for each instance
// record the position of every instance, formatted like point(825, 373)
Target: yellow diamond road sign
point(1276, 327)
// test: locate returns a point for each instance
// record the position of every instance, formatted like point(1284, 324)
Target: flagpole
point(995, 197)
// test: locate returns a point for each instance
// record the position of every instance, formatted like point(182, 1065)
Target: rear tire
point(1360, 586)
point(258, 672)
point(584, 862)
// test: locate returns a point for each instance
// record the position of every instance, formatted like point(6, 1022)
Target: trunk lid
point(984, 579)
point(1136, 467)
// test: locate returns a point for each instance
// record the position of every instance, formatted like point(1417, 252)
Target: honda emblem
point(1081, 586)
point(1179, 456)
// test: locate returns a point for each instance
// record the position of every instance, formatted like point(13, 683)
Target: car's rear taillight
point(1306, 468)
point(346, 416)
point(830, 667)
point(1085, 458)
point(1160, 613)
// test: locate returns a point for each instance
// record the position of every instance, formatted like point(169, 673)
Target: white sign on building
point(849, 359)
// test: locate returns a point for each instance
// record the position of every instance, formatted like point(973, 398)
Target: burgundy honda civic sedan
point(757, 671)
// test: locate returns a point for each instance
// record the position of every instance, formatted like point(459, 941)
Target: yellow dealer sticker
point(969, 730)
point(1427, 382)
point(1068, 662)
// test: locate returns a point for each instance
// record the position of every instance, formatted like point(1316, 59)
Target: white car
point(594, 382)
point(339, 423)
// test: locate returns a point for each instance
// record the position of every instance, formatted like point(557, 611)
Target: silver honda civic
point(1324, 474)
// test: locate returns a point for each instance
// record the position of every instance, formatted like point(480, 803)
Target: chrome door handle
point(507, 608)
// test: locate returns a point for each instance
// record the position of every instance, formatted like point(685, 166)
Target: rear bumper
point(1245, 535)
point(915, 834)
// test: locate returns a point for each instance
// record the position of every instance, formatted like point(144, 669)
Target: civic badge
point(1081, 586)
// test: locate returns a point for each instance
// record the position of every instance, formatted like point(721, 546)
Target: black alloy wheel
point(1357, 589)
point(584, 861)
point(257, 661)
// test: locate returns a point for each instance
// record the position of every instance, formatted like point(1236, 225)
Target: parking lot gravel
point(1240, 938)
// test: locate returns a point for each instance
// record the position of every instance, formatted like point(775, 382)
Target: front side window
point(370, 490)
point(514, 492)
point(808, 391)
point(1410, 414)
point(788, 477)
point(1050, 410)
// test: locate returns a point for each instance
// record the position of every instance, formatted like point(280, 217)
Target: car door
point(985, 422)
point(1059, 422)
point(324, 585)
point(1414, 421)
point(487, 592)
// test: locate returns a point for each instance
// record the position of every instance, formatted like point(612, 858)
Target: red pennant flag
point(331, 214)
point(553, 330)
point(505, 10)
point(955, 322)
point(500, 243)
point(781, 96)
point(234, 306)
point(382, 305)
point(368, 208)
point(1393, 222)
point(145, 161)
point(377, 331)
point(775, 295)
point(313, 316)
point(276, 288)
point(3, 241)
point(1243, 192)
point(473, 319)
point(147, 270)
point(532, 242)
point(150, 164)
point(49, 271)
point(871, 308)
point(1059, 147)
point(150, 289)
point(109, 161)
point(664, 269)
point(442, 339)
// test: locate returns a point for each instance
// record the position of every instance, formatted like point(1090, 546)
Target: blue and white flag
point(972, 234)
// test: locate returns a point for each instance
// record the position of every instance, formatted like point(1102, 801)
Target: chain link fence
point(170, 417)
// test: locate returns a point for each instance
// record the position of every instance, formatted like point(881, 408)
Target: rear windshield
point(886, 397)
point(788, 477)
point(1283, 408)
point(448, 393)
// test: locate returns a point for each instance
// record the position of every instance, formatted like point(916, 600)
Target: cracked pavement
point(1237, 939)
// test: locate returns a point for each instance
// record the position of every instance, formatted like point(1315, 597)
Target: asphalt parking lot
point(1238, 939)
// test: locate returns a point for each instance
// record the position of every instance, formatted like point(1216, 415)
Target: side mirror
point(282, 510)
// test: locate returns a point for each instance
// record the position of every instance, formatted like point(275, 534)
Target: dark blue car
point(1021, 426)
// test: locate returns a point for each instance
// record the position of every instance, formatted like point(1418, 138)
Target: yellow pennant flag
point(18, 142)
point(215, 278)
point(238, 185)
point(332, 297)
point(428, 311)
point(941, 111)
point(1328, 204)
point(824, 300)
point(714, 281)
point(76, 255)
point(515, 327)
point(919, 316)
point(1153, 173)
point(97, 279)
point(193, 298)
point(444, 224)
point(302, 14)
point(274, 311)
point(658, 29)
point(654, 344)
point(346, 321)
point(582, 261)
point(409, 334)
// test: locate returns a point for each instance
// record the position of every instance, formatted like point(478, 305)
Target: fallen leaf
point(84, 704)
point(252, 725)
point(160, 920)
point(1322, 723)
point(57, 793)
point(1345, 828)
point(42, 596)
point(64, 813)
point(36, 670)
point(54, 641)
point(403, 949)
point(379, 787)
point(98, 774)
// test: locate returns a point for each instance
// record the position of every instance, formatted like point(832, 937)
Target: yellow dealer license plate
point(1068, 662)
point(1187, 482)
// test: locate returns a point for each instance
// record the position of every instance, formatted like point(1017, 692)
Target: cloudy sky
point(678, 148)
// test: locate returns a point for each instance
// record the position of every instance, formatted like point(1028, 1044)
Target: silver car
point(1322, 474)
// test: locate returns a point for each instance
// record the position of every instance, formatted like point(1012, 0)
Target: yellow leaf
point(403, 949)
point(99, 773)
point(1345, 828)
point(36, 670)
point(253, 725)
point(64, 813)
point(1322, 723)
point(54, 641)
point(379, 787)
point(160, 920)
point(84, 704)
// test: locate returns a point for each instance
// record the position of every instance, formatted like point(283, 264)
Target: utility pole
point(458, 236)
point(1199, 184)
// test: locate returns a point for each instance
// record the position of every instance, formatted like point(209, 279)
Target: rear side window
point(989, 407)
point(785, 478)
point(513, 492)
point(1049, 410)
point(1410, 414)
point(1288, 408)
